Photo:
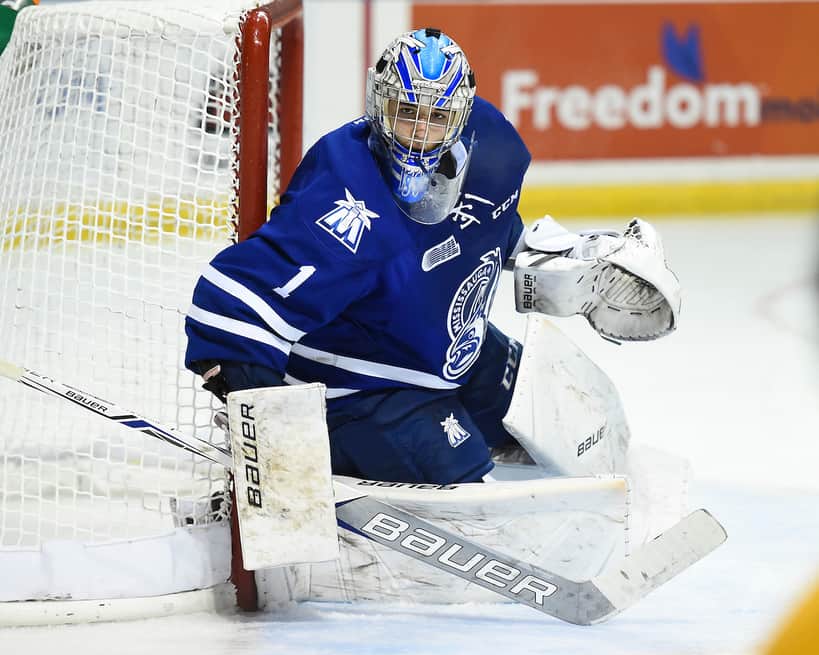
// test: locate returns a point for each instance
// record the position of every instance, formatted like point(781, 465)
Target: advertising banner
point(640, 80)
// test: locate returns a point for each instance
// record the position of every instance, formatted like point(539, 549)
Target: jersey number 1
point(296, 281)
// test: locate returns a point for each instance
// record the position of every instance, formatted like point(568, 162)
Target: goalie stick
point(580, 602)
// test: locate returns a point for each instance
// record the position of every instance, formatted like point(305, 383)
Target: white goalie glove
point(620, 283)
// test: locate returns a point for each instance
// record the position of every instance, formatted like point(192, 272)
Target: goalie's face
point(417, 127)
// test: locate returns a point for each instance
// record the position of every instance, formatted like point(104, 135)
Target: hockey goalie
point(374, 278)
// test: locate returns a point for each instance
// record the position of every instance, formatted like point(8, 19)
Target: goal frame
point(250, 204)
point(254, 68)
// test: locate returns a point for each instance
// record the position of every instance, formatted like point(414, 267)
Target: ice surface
point(735, 389)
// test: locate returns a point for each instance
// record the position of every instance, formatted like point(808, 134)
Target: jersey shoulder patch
point(348, 221)
point(339, 196)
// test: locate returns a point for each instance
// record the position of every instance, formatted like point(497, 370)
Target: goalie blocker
point(284, 489)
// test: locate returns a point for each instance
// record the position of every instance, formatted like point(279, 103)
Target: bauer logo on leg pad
point(592, 440)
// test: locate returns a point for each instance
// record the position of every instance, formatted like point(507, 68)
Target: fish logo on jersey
point(468, 315)
point(347, 222)
point(455, 432)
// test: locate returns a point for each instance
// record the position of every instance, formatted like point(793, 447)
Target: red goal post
point(285, 15)
point(253, 156)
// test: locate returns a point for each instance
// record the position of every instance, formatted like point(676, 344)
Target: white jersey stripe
point(247, 330)
point(332, 392)
point(374, 369)
point(257, 304)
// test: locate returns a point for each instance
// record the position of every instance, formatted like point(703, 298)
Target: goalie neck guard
point(419, 95)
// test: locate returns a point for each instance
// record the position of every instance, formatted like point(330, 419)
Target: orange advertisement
point(595, 81)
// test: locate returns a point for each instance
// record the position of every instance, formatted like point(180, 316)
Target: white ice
point(735, 390)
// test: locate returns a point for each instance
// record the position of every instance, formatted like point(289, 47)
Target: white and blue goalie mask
point(419, 96)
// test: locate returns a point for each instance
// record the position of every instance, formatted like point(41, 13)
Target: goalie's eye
point(433, 117)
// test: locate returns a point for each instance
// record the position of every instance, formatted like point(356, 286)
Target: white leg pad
point(284, 489)
point(565, 411)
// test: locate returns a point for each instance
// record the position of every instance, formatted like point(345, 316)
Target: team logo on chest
point(347, 221)
point(468, 315)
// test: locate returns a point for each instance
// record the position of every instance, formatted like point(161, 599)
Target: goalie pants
point(424, 435)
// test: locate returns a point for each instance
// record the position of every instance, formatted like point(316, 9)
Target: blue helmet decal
point(452, 86)
point(406, 78)
point(430, 59)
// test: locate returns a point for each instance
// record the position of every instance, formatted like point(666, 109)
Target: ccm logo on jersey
point(512, 360)
point(506, 204)
point(481, 566)
point(347, 222)
point(251, 454)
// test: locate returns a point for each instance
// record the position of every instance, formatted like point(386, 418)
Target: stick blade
point(656, 562)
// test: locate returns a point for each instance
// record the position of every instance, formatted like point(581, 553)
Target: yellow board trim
point(670, 199)
point(113, 223)
point(120, 222)
point(799, 633)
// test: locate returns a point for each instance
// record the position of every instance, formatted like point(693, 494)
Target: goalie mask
point(419, 96)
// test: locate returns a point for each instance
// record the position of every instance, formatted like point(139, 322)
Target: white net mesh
point(117, 184)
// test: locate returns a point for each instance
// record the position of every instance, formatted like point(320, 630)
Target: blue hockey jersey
point(341, 287)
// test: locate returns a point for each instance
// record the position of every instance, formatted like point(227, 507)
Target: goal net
point(125, 143)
